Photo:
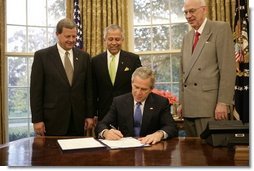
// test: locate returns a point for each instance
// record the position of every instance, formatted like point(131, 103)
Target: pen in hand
point(116, 132)
point(112, 126)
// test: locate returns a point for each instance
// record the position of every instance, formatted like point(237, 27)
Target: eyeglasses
point(191, 11)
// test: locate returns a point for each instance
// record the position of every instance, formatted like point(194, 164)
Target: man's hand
point(152, 138)
point(179, 111)
point(89, 123)
point(221, 111)
point(112, 134)
point(39, 128)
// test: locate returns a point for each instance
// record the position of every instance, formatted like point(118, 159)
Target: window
point(30, 27)
point(158, 29)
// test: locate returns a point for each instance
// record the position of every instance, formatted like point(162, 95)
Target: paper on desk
point(79, 143)
point(126, 142)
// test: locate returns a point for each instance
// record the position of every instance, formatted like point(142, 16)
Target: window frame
point(140, 53)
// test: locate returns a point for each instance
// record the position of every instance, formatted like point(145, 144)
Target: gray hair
point(144, 73)
point(65, 23)
point(112, 27)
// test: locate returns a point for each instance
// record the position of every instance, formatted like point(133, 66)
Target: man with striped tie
point(140, 113)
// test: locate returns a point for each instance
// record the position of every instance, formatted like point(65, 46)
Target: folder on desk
point(79, 143)
point(126, 142)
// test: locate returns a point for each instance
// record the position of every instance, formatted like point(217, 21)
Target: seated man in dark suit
point(139, 114)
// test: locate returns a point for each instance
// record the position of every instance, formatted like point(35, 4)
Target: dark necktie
point(68, 67)
point(137, 119)
point(196, 38)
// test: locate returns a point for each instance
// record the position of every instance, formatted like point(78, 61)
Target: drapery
point(221, 10)
point(2, 73)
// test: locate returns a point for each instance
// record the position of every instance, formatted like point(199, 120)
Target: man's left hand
point(152, 138)
point(221, 111)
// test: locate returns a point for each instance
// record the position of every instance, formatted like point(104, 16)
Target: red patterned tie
point(196, 38)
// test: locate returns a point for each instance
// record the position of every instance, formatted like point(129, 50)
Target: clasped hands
point(114, 134)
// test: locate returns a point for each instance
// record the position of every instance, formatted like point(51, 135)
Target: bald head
point(195, 12)
point(197, 2)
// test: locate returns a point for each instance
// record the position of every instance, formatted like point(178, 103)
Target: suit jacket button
point(199, 69)
point(185, 85)
point(195, 84)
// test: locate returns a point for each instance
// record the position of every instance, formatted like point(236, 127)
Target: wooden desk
point(45, 151)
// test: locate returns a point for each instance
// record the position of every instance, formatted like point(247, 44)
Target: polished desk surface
point(45, 151)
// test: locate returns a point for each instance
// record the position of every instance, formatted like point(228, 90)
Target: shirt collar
point(142, 103)
point(109, 54)
point(62, 51)
point(201, 28)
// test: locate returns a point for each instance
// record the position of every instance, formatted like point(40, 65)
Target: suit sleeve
point(36, 88)
point(138, 62)
point(95, 89)
point(227, 66)
point(89, 90)
point(181, 75)
point(167, 122)
point(110, 118)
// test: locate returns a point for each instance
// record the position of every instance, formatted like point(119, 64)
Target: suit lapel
point(58, 63)
point(104, 65)
point(121, 64)
point(200, 45)
point(76, 64)
point(147, 113)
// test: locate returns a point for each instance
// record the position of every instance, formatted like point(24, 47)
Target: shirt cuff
point(165, 135)
point(101, 134)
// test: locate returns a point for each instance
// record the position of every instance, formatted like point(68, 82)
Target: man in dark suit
point(106, 84)
point(61, 86)
point(156, 122)
point(208, 69)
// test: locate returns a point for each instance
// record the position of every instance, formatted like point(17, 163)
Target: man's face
point(194, 13)
point(113, 41)
point(67, 39)
point(141, 88)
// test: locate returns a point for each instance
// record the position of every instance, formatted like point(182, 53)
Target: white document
point(126, 142)
point(79, 143)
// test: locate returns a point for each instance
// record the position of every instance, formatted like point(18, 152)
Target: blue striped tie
point(137, 119)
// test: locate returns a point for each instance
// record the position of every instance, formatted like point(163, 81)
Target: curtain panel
point(2, 73)
point(221, 10)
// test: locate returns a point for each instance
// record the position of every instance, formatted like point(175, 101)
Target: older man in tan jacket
point(208, 69)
